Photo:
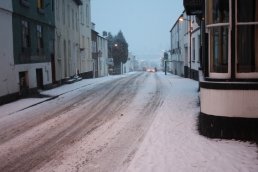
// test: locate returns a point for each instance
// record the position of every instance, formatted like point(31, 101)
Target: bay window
point(244, 45)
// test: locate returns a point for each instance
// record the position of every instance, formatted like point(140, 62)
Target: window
point(82, 15)
point(68, 16)
point(58, 48)
point(65, 60)
point(193, 49)
point(247, 36)
point(88, 42)
point(39, 38)
point(82, 43)
point(72, 19)
point(186, 55)
point(69, 49)
point(244, 49)
point(199, 48)
point(53, 5)
point(25, 34)
point(57, 10)
point(40, 4)
point(87, 15)
point(94, 47)
point(76, 21)
point(217, 19)
point(63, 11)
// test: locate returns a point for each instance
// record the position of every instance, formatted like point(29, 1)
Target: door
point(39, 75)
point(23, 82)
point(53, 66)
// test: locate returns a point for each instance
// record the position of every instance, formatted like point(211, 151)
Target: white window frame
point(250, 75)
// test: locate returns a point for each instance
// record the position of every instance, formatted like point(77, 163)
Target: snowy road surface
point(136, 122)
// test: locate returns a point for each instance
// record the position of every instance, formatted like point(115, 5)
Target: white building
point(8, 80)
point(177, 52)
point(86, 63)
point(185, 47)
point(191, 48)
point(67, 45)
point(129, 65)
point(102, 56)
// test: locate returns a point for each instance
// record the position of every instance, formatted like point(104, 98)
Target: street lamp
point(190, 42)
point(111, 62)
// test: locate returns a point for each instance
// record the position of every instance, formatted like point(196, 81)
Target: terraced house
point(67, 35)
point(8, 82)
point(32, 39)
point(43, 42)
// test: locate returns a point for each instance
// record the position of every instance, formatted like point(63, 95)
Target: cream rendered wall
point(8, 78)
point(195, 34)
point(67, 39)
point(195, 29)
point(103, 56)
point(85, 37)
point(129, 66)
point(230, 103)
point(177, 36)
point(31, 69)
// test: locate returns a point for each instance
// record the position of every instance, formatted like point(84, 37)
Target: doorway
point(39, 75)
point(23, 82)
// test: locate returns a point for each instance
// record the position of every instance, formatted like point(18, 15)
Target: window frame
point(40, 41)
point(209, 30)
point(193, 49)
point(25, 31)
point(40, 4)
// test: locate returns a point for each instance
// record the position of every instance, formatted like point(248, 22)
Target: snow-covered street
point(136, 122)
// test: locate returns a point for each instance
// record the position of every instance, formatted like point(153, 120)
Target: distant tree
point(120, 49)
point(110, 40)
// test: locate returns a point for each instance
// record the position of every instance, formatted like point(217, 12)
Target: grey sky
point(144, 23)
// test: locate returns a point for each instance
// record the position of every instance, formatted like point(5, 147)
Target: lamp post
point(190, 42)
point(111, 54)
point(166, 60)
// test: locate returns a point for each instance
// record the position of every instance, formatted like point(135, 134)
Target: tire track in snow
point(29, 158)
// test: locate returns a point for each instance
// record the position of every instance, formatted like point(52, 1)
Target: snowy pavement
point(173, 143)
point(170, 143)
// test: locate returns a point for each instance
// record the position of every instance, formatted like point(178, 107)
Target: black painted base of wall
point(193, 75)
point(33, 92)
point(245, 129)
point(9, 98)
point(26, 93)
point(86, 75)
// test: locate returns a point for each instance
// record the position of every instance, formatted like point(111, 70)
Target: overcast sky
point(144, 23)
